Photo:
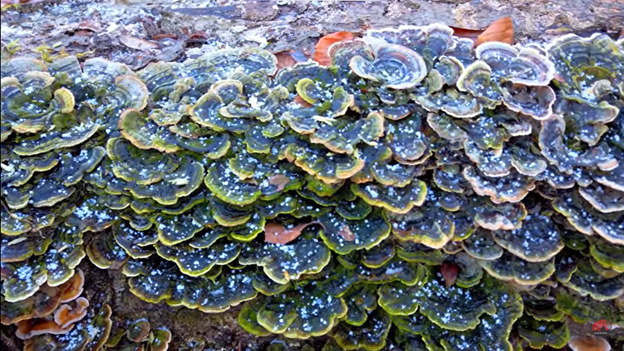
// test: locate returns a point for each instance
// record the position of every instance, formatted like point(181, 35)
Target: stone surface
point(183, 28)
point(173, 30)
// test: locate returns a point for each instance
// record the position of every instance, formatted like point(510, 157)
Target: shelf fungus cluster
point(59, 318)
point(138, 335)
point(418, 193)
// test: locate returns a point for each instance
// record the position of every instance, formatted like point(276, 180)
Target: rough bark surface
point(140, 31)
point(137, 32)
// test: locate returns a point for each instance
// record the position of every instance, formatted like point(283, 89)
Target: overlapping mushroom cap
point(394, 67)
point(390, 199)
point(58, 317)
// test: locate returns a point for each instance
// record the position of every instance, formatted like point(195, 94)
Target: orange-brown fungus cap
point(589, 343)
point(33, 327)
point(75, 286)
point(66, 315)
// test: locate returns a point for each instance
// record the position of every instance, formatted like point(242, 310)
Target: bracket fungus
point(139, 335)
point(394, 66)
point(537, 240)
point(283, 263)
point(369, 336)
point(426, 225)
point(414, 193)
point(300, 313)
point(542, 333)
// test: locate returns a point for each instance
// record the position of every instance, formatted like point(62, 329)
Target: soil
point(138, 32)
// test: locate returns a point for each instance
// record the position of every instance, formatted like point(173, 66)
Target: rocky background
point(137, 32)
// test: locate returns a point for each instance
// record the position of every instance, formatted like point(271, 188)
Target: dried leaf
point(500, 30)
point(285, 59)
point(346, 233)
point(164, 36)
point(279, 180)
point(137, 43)
point(449, 272)
point(321, 49)
point(301, 101)
point(200, 34)
point(276, 233)
point(467, 33)
point(90, 26)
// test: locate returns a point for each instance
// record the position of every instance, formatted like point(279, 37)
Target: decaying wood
point(137, 32)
